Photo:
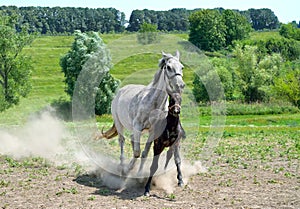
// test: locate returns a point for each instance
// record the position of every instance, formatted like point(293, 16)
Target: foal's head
point(175, 104)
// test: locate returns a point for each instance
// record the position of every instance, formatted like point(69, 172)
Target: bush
point(89, 53)
point(147, 34)
point(288, 86)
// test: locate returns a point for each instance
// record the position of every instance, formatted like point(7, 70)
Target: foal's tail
point(112, 132)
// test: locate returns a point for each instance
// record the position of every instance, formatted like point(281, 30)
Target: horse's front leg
point(135, 143)
point(178, 163)
point(146, 149)
point(145, 155)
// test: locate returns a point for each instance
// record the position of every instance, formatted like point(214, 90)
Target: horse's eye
point(169, 68)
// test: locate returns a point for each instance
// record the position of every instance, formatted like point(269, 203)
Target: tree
point(263, 19)
point(207, 30)
point(89, 53)
point(148, 34)
point(15, 67)
point(237, 26)
point(290, 31)
point(136, 19)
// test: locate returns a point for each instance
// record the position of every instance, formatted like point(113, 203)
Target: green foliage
point(15, 67)
point(89, 53)
point(147, 34)
point(288, 48)
point(246, 77)
point(287, 85)
point(211, 30)
point(254, 76)
point(218, 79)
point(207, 30)
point(290, 31)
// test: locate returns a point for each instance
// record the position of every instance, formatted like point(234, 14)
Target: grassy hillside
point(48, 80)
point(133, 63)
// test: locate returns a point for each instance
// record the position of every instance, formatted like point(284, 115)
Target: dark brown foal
point(170, 137)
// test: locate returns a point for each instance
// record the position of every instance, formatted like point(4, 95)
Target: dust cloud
point(46, 136)
point(40, 136)
point(110, 174)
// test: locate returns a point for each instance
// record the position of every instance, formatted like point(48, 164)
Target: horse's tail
point(112, 132)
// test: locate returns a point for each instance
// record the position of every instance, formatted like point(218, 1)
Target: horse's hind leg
point(120, 130)
point(122, 157)
point(178, 164)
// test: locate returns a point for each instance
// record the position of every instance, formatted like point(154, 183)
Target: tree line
point(56, 20)
point(178, 19)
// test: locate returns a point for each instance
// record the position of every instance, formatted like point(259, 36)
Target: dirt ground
point(36, 184)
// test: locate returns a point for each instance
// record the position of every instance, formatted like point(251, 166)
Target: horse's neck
point(172, 121)
point(158, 81)
point(158, 90)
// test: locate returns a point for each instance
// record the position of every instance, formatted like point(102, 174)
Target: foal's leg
point(169, 156)
point(153, 169)
point(178, 163)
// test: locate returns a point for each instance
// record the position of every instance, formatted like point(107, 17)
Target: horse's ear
point(177, 55)
point(164, 54)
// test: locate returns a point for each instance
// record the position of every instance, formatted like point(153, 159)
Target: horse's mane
point(163, 61)
point(161, 65)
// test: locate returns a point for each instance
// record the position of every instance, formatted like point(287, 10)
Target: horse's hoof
point(147, 194)
point(122, 170)
point(141, 180)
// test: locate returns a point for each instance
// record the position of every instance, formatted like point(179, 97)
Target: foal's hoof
point(147, 194)
point(180, 184)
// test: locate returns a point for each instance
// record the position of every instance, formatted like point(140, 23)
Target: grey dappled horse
point(138, 107)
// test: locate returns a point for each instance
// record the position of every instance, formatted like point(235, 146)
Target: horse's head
point(173, 72)
point(175, 104)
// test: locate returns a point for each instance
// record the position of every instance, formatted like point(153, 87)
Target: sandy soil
point(39, 185)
